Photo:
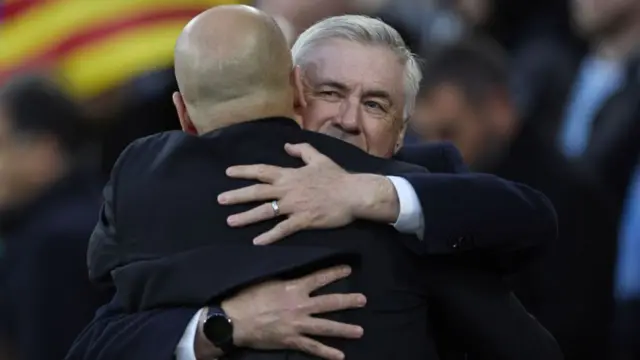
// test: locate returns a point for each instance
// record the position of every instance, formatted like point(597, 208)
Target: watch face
point(218, 329)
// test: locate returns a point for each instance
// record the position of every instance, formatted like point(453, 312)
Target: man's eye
point(373, 105)
point(329, 93)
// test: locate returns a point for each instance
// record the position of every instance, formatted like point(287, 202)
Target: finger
point(279, 232)
point(324, 277)
point(257, 214)
point(260, 172)
point(304, 151)
point(335, 302)
point(316, 348)
point(330, 328)
point(258, 192)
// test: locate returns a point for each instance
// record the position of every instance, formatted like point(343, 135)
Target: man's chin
point(336, 134)
point(343, 136)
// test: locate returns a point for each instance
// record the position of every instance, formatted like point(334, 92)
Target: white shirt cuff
point(186, 347)
point(410, 220)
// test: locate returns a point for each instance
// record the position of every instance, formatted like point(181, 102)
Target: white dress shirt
point(410, 221)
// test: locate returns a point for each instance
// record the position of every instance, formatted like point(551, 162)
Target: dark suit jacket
point(172, 235)
point(475, 316)
point(491, 220)
point(396, 280)
point(613, 150)
point(494, 223)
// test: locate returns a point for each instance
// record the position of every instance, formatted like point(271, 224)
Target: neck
point(619, 45)
point(221, 117)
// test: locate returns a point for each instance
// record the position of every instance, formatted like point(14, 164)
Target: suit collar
point(253, 126)
point(338, 150)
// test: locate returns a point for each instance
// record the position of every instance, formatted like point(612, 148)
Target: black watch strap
point(218, 328)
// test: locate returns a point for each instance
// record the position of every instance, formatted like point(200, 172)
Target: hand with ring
point(276, 208)
point(319, 195)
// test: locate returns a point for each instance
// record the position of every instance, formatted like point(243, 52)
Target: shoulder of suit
point(156, 141)
point(436, 148)
point(439, 157)
point(450, 151)
point(149, 147)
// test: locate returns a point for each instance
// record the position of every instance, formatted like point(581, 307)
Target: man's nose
point(349, 117)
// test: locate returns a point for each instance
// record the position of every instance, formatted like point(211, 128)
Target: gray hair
point(366, 31)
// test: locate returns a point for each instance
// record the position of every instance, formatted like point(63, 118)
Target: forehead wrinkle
point(373, 89)
point(328, 62)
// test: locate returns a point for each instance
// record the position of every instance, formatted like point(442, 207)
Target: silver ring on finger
point(276, 208)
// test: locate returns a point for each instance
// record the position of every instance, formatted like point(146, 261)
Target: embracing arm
point(168, 333)
point(466, 211)
point(270, 315)
point(479, 211)
point(457, 212)
point(114, 334)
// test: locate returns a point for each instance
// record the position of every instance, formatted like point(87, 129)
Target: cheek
point(381, 137)
point(317, 114)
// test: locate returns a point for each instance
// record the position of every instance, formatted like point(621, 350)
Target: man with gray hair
point(360, 83)
point(366, 114)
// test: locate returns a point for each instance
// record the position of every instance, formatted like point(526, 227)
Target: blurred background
point(543, 92)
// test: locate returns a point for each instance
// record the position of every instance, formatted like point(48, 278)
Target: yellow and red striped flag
point(94, 44)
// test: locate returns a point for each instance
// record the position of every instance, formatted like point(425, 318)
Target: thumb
point(304, 151)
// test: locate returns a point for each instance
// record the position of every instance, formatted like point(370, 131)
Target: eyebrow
point(333, 84)
point(376, 93)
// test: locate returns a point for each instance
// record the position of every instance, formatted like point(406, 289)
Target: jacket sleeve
point(466, 212)
point(179, 278)
point(102, 251)
point(114, 334)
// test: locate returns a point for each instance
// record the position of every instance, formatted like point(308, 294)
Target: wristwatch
point(218, 329)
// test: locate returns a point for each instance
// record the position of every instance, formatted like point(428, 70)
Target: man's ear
point(181, 108)
point(297, 83)
point(401, 135)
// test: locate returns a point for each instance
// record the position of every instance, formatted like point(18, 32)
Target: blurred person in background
point(49, 203)
point(601, 121)
point(627, 281)
point(600, 131)
point(115, 57)
point(465, 98)
point(536, 35)
point(295, 16)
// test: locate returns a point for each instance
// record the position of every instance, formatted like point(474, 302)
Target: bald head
point(230, 55)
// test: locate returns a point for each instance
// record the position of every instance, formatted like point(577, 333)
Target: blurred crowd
point(545, 93)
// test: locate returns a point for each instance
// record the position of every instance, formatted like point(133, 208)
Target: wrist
point(374, 198)
point(203, 348)
point(239, 328)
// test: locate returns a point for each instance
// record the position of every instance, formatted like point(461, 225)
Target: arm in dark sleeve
point(474, 312)
point(465, 211)
point(114, 334)
point(191, 278)
point(103, 252)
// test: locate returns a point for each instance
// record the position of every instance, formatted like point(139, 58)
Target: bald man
point(155, 238)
